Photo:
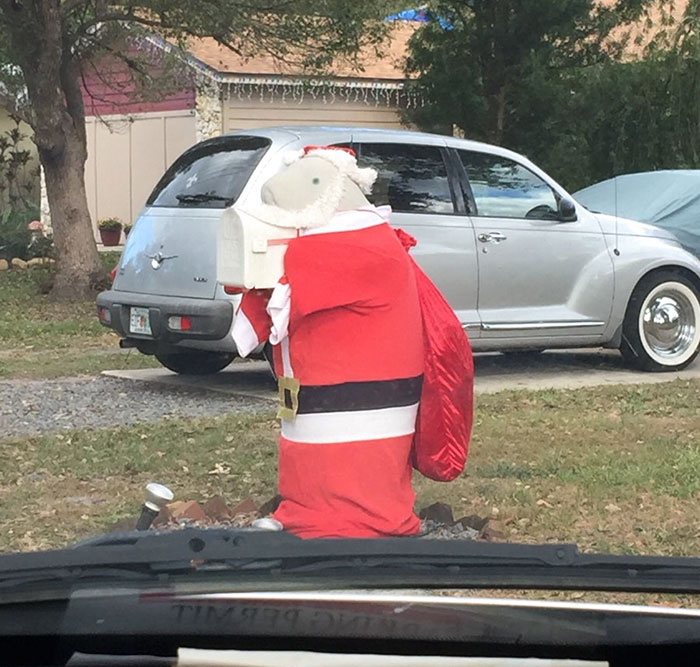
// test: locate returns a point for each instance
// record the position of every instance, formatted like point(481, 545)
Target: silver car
point(523, 265)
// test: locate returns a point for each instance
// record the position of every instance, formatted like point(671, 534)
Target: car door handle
point(495, 237)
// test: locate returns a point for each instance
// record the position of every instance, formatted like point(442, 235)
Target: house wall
point(242, 114)
point(131, 141)
point(111, 90)
point(128, 154)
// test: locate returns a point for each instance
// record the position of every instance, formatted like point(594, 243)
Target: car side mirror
point(567, 210)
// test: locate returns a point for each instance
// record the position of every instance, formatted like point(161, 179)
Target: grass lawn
point(613, 468)
point(45, 339)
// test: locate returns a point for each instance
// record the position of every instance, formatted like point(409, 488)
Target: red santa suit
point(345, 322)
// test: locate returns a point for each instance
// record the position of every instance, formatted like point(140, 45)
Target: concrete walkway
point(494, 372)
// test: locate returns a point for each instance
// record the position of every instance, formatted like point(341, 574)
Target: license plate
point(140, 322)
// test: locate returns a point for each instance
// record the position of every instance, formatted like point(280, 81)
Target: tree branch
point(67, 6)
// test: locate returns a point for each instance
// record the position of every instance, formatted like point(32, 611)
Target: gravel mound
point(432, 530)
point(29, 407)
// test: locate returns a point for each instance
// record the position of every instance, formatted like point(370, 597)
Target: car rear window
point(211, 174)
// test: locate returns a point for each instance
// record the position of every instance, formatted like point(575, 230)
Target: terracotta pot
point(110, 236)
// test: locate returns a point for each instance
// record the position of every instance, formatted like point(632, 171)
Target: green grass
point(612, 468)
point(577, 466)
point(41, 338)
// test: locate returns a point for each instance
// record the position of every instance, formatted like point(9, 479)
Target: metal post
point(157, 497)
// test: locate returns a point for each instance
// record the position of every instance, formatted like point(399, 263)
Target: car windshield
point(314, 298)
point(210, 175)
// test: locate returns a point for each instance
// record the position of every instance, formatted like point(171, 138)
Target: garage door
point(242, 114)
point(126, 157)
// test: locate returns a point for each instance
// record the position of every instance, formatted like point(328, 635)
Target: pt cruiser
point(523, 265)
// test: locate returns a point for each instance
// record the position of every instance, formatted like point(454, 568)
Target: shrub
point(15, 235)
point(41, 246)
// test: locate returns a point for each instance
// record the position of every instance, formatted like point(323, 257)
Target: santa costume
point(348, 347)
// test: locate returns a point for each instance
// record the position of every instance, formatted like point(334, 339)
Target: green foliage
point(549, 80)
point(16, 208)
point(472, 72)
point(654, 106)
point(48, 46)
point(16, 178)
point(110, 223)
point(627, 116)
point(81, 33)
point(41, 245)
point(15, 237)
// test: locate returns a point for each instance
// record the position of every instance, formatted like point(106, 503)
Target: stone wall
point(208, 110)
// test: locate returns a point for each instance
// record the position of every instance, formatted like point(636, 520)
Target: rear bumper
point(211, 318)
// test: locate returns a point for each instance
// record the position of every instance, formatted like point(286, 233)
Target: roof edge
point(271, 79)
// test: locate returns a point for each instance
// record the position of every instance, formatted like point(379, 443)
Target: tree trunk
point(51, 76)
point(79, 269)
point(496, 112)
point(58, 120)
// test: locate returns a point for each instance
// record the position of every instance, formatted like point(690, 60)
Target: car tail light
point(179, 323)
point(104, 315)
point(113, 272)
point(233, 290)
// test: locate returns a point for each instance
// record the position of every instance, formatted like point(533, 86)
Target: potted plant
point(127, 228)
point(110, 231)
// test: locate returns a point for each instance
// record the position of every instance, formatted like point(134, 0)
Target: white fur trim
point(325, 428)
point(286, 358)
point(279, 307)
point(244, 335)
point(348, 221)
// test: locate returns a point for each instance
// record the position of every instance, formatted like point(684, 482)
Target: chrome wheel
point(668, 323)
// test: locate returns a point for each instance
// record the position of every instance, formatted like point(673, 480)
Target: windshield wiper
point(201, 197)
point(270, 559)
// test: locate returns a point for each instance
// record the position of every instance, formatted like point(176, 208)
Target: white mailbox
point(250, 252)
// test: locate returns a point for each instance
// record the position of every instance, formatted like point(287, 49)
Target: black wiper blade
point(201, 197)
point(270, 559)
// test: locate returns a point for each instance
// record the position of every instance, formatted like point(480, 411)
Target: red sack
point(446, 412)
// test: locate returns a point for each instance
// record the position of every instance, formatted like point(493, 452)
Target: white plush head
point(316, 184)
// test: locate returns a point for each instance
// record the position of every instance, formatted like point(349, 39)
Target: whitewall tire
point(661, 331)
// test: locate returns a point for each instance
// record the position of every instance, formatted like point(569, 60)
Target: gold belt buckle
point(288, 389)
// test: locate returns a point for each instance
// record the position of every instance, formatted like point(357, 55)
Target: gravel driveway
point(35, 406)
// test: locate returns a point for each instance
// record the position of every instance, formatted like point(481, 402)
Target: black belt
point(352, 396)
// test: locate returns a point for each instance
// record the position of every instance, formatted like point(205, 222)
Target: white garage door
point(126, 157)
point(242, 114)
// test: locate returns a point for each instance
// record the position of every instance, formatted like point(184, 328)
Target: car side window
point(411, 178)
point(503, 188)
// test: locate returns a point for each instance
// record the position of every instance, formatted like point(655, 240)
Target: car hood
point(614, 224)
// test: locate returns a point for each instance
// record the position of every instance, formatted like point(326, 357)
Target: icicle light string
point(325, 92)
